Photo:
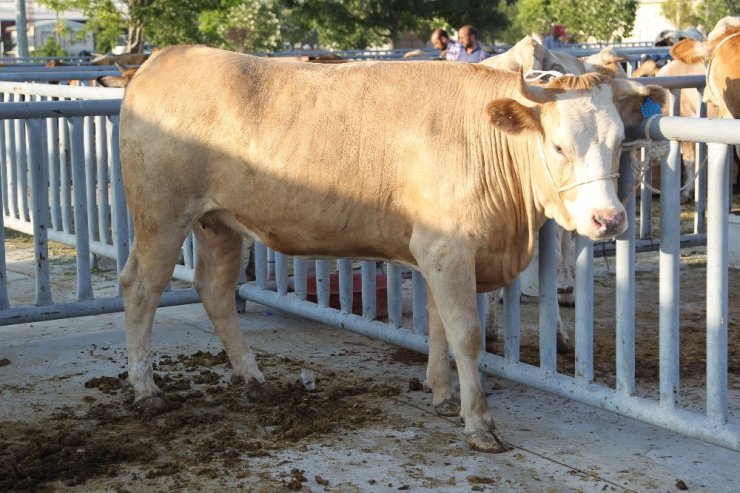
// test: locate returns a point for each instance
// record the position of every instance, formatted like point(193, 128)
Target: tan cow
point(688, 107)
point(648, 68)
point(449, 168)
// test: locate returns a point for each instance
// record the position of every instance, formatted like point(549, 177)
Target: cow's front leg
point(450, 275)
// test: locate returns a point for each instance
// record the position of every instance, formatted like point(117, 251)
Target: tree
point(488, 16)
point(605, 20)
point(105, 20)
point(50, 48)
point(680, 12)
point(535, 16)
point(244, 25)
point(711, 11)
point(160, 22)
point(361, 23)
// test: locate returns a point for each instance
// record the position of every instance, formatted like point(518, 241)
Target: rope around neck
point(709, 68)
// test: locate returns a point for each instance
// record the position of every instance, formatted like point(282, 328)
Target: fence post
point(717, 282)
point(670, 257)
point(548, 297)
point(82, 236)
point(39, 212)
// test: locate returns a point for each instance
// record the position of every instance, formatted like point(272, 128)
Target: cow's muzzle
point(607, 224)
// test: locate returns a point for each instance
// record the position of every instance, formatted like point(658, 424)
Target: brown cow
point(448, 168)
point(127, 73)
point(720, 56)
point(125, 59)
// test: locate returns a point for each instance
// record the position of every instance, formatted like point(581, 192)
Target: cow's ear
point(636, 102)
point(513, 117)
point(689, 51)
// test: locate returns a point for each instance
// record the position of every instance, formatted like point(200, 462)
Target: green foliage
point(680, 12)
point(605, 20)
point(168, 22)
point(488, 16)
point(50, 48)
point(535, 16)
point(247, 25)
point(350, 24)
point(258, 25)
point(710, 12)
point(514, 31)
point(104, 20)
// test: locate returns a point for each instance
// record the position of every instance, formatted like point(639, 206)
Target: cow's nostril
point(598, 221)
point(608, 223)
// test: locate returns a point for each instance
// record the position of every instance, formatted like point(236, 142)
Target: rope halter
point(714, 98)
point(570, 186)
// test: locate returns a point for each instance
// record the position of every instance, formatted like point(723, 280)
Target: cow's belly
point(294, 233)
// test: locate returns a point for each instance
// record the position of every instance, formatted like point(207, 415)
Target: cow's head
point(576, 129)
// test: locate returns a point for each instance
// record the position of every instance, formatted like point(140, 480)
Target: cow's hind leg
point(147, 272)
point(439, 377)
point(216, 273)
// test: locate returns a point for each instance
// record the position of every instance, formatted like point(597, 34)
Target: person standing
point(554, 39)
point(472, 51)
point(449, 49)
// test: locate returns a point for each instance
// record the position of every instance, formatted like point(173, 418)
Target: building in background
point(649, 22)
point(41, 21)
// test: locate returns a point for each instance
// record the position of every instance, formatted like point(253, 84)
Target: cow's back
point(350, 156)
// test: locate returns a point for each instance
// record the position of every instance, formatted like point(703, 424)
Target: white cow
point(447, 168)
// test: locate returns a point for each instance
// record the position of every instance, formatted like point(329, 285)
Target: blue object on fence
point(650, 108)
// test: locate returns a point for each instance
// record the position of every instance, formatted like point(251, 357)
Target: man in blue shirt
point(472, 51)
point(555, 39)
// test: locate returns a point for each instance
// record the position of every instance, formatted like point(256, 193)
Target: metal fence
point(61, 182)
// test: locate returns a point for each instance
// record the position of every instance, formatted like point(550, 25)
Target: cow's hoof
point(448, 407)
point(566, 297)
point(490, 346)
point(152, 405)
point(487, 441)
point(257, 390)
point(563, 343)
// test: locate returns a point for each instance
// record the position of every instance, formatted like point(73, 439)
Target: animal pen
point(61, 182)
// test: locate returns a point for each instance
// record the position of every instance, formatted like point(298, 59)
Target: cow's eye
point(558, 149)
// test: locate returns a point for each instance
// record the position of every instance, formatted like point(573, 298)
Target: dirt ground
point(211, 428)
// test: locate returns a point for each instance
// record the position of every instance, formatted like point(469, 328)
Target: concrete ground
point(558, 445)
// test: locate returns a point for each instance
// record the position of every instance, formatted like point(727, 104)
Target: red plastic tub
point(381, 292)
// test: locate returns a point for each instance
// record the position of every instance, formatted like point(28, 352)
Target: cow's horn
point(536, 94)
